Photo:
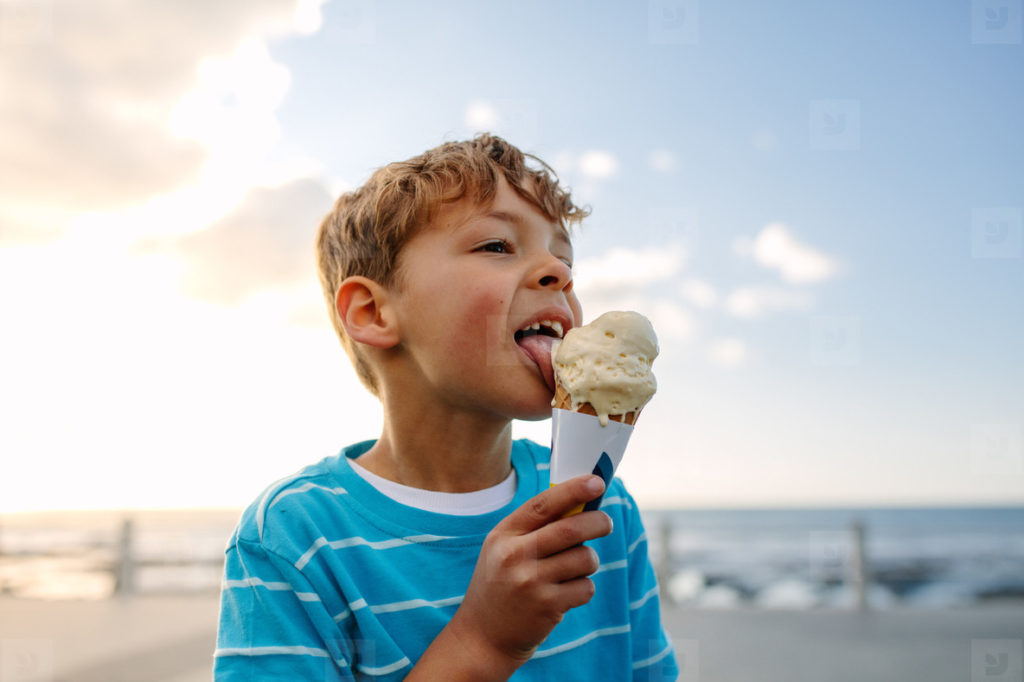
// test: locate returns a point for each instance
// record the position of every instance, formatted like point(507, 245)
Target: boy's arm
point(273, 625)
point(532, 568)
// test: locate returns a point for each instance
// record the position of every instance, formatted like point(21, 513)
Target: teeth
point(553, 325)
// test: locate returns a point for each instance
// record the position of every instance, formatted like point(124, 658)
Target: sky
point(818, 205)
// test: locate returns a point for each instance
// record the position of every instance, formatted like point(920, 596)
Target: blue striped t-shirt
point(328, 579)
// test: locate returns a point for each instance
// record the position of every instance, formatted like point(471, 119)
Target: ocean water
point(775, 558)
point(807, 558)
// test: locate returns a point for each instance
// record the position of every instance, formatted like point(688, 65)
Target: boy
point(438, 551)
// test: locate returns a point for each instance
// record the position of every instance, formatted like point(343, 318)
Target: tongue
point(538, 347)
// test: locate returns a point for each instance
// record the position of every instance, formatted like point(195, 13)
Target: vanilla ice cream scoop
point(607, 364)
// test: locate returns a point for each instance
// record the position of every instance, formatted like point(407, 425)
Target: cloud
point(265, 243)
point(729, 352)
point(514, 119)
point(599, 164)
point(621, 268)
point(756, 301)
point(699, 293)
point(775, 248)
point(636, 279)
point(481, 115)
point(88, 98)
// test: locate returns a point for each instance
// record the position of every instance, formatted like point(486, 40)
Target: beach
point(171, 639)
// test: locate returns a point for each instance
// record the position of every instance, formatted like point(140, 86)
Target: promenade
point(171, 639)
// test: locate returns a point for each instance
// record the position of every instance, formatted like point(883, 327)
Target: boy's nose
point(555, 274)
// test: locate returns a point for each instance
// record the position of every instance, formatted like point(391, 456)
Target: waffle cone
point(563, 401)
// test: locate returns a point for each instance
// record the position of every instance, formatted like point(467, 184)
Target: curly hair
point(366, 229)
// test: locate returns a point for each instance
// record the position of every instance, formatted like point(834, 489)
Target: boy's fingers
point(577, 562)
point(577, 592)
point(560, 535)
point(553, 503)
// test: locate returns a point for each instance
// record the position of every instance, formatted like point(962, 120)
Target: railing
point(96, 550)
point(856, 574)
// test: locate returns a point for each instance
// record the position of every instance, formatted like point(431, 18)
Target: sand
point(171, 639)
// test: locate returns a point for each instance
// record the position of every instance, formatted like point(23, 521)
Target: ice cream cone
point(563, 401)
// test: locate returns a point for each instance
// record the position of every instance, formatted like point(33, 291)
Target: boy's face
point(469, 282)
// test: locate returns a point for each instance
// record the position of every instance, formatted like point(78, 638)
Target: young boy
point(439, 551)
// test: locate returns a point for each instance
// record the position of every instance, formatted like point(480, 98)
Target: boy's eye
point(496, 246)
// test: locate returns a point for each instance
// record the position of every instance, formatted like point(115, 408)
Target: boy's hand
point(532, 568)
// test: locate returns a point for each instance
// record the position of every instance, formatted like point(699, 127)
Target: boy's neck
point(434, 448)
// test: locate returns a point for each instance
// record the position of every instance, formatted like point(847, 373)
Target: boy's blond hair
point(367, 228)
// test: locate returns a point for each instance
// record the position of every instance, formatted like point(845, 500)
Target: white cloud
point(265, 243)
point(234, 102)
point(750, 302)
point(728, 352)
point(599, 164)
point(699, 293)
point(621, 268)
point(515, 119)
point(87, 102)
point(670, 319)
point(481, 115)
point(636, 279)
point(662, 160)
point(776, 248)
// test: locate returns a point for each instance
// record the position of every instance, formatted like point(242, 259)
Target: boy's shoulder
point(288, 500)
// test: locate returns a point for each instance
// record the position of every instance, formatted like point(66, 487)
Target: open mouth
point(537, 340)
point(551, 328)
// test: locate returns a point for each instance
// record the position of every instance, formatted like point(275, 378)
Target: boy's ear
point(364, 310)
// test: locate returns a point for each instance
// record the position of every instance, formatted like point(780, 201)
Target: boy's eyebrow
point(561, 234)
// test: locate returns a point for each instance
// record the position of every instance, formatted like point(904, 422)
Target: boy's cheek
point(498, 353)
point(576, 307)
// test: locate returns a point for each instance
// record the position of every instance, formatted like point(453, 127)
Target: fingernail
point(595, 485)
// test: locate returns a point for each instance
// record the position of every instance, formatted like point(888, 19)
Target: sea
point(933, 558)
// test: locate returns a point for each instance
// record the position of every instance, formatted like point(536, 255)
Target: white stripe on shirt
point(274, 651)
point(306, 487)
point(372, 544)
point(643, 536)
point(602, 632)
point(415, 604)
point(634, 605)
point(384, 669)
point(273, 586)
point(610, 566)
point(653, 659)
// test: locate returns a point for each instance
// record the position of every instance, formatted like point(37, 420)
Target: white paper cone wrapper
point(580, 445)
